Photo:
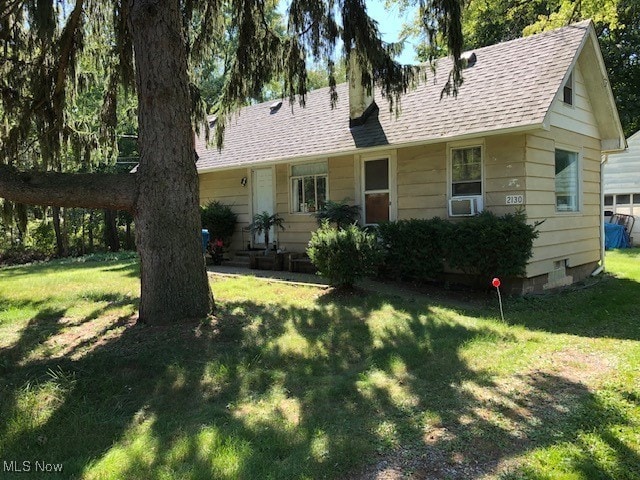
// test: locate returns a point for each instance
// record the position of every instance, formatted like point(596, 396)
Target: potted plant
point(262, 222)
point(216, 250)
point(340, 214)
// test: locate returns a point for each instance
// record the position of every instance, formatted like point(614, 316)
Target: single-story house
point(621, 183)
point(528, 130)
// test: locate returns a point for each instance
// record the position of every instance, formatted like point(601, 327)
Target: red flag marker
point(496, 283)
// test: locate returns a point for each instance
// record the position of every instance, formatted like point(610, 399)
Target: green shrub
point(44, 238)
point(488, 245)
point(220, 220)
point(485, 245)
point(343, 256)
point(414, 249)
point(20, 254)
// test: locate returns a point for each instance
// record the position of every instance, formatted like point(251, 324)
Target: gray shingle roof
point(512, 85)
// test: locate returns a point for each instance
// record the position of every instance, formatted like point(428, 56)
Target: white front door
point(263, 197)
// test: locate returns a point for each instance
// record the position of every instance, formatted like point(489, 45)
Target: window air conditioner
point(465, 206)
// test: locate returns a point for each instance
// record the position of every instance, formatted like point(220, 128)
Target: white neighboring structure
point(622, 183)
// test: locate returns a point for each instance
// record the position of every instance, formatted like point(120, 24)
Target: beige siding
point(226, 188)
point(578, 117)
point(298, 226)
point(572, 236)
point(342, 179)
point(421, 177)
point(504, 172)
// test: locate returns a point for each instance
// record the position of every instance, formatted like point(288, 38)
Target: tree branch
point(115, 191)
point(11, 8)
point(67, 50)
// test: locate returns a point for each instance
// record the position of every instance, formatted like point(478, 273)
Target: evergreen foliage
point(414, 249)
point(486, 245)
point(220, 220)
point(58, 54)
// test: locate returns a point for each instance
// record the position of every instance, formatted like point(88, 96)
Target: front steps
point(288, 261)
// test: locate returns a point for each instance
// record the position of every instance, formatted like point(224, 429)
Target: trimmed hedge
point(489, 246)
point(414, 249)
point(485, 245)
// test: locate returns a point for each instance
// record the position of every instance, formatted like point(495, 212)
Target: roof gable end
point(587, 56)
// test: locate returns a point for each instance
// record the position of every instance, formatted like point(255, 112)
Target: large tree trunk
point(92, 215)
point(163, 194)
point(128, 238)
point(61, 250)
point(111, 239)
point(173, 276)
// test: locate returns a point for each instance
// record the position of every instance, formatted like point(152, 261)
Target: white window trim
point(392, 157)
point(290, 178)
point(578, 151)
point(458, 146)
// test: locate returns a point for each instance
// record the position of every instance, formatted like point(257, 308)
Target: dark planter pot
point(270, 261)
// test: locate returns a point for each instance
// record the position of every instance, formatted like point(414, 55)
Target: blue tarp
point(615, 236)
point(205, 239)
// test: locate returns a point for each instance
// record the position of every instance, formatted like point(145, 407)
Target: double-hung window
point(567, 181)
point(466, 171)
point(308, 187)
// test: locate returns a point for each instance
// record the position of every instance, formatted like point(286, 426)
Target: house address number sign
point(515, 199)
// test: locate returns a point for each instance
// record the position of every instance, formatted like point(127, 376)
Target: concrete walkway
point(427, 294)
point(278, 276)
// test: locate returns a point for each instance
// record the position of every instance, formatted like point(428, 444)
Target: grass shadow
point(607, 308)
point(42, 326)
point(125, 263)
point(282, 391)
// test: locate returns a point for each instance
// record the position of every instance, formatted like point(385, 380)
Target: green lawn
point(298, 382)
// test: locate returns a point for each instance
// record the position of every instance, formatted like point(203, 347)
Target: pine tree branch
point(87, 190)
point(67, 48)
point(11, 8)
point(265, 22)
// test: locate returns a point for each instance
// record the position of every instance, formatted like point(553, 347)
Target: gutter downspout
point(600, 268)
